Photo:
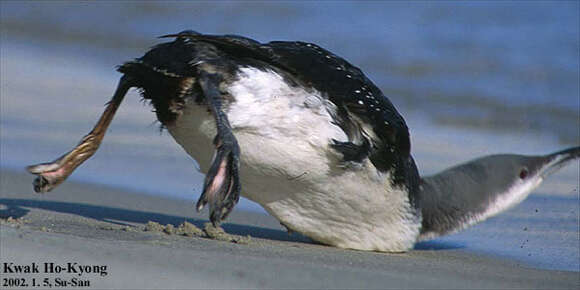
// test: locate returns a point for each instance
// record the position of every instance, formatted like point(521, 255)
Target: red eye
point(524, 173)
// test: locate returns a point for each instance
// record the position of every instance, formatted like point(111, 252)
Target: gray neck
point(463, 195)
point(445, 208)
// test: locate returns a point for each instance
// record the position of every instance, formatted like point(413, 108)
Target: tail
point(469, 193)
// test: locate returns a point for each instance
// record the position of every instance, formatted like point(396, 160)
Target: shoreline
point(96, 226)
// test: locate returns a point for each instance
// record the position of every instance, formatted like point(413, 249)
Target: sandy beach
point(99, 226)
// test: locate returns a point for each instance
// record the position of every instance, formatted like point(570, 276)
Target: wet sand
point(100, 226)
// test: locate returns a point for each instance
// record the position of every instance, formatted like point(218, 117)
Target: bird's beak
point(557, 160)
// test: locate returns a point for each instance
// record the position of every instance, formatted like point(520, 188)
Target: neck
point(443, 208)
point(465, 195)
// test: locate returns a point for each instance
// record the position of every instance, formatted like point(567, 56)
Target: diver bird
point(310, 138)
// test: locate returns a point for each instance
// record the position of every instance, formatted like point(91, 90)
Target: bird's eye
point(524, 173)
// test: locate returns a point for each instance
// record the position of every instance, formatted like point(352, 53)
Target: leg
point(50, 175)
point(222, 186)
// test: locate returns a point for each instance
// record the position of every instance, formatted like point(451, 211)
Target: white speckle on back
point(194, 63)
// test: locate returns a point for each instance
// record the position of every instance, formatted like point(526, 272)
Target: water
point(470, 78)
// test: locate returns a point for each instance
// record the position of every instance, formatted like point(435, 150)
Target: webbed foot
point(50, 175)
point(222, 186)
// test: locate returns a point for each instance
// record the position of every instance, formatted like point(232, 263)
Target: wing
point(360, 104)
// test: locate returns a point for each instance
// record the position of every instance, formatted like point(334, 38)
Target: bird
point(308, 136)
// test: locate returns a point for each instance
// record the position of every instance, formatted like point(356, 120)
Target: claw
point(41, 184)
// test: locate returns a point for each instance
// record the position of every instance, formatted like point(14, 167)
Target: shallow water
point(471, 79)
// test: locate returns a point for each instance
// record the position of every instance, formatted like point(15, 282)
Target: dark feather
point(359, 103)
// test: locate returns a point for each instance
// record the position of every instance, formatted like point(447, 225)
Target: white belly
point(288, 168)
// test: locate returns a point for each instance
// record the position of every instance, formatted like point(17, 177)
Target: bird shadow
point(437, 245)
point(17, 208)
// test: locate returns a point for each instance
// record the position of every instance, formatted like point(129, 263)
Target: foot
point(49, 175)
point(222, 184)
